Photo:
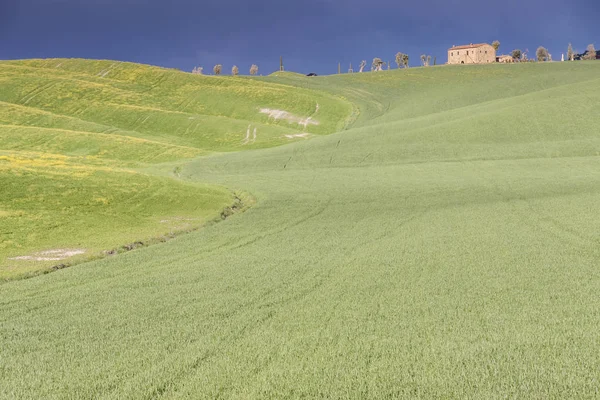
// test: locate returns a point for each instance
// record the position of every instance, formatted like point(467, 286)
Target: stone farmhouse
point(481, 53)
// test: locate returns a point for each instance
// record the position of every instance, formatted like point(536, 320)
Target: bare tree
point(217, 69)
point(570, 53)
point(197, 70)
point(591, 52)
point(363, 64)
point(235, 71)
point(405, 60)
point(524, 57)
point(516, 54)
point(377, 64)
point(496, 45)
point(254, 69)
point(542, 54)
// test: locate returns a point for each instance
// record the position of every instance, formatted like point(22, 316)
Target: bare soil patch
point(298, 135)
point(287, 116)
point(51, 255)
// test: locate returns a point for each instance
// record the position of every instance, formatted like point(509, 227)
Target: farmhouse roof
point(468, 46)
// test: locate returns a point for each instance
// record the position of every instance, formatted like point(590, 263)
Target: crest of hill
point(286, 74)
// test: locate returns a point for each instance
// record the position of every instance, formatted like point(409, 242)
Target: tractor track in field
point(303, 219)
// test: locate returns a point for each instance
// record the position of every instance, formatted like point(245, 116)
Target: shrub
point(542, 54)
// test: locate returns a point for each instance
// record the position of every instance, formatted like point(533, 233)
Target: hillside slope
point(446, 246)
point(167, 106)
point(74, 135)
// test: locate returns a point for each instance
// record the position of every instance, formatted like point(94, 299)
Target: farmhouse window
point(467, 52)
point(458, 53)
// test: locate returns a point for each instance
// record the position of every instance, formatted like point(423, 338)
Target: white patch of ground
point(178, 219)
point(287, 116)
point(298, 135)
point(51, 255)
point(105, 72)
point(247, 138)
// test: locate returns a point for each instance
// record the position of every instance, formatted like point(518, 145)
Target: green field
point(77, 138)
point(437, 235)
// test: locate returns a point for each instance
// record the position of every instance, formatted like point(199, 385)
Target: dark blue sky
point(311, 35)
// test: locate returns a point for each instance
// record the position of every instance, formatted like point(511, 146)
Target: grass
point(166, 106)
point(51, 203)
point(75, 136)
point(444, 246)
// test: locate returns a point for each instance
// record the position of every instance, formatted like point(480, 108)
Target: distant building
point(505, 59)
point(481, 53)
point(583, 56)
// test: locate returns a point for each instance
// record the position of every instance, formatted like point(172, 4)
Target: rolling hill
point(435, 236)
point(75, 136)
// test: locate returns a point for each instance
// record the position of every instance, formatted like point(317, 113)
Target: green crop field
point(422, 233)
point(76, 138)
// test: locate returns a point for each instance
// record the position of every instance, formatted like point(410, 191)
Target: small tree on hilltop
point(362, 65)
point(496, 45)
point(377, 64)
point(516, 54)
point(197, 70)
point(235, 71)
point(254, 69)
point(570, 53)
point(541, 54)
point(425, 60)
point(217, 69)
point(591, 52)
point(399, 59)
point(402, 60)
